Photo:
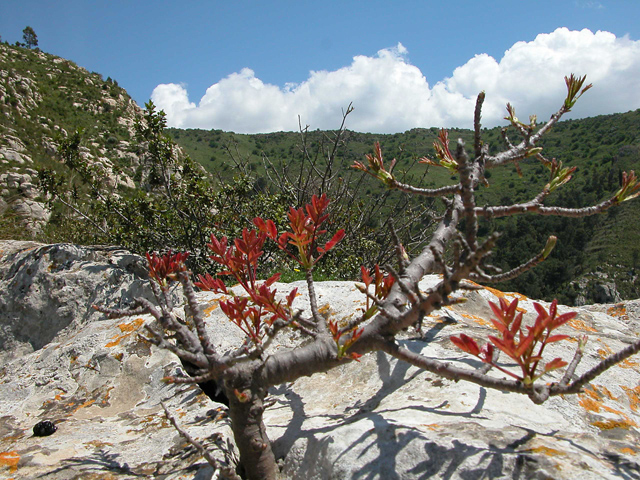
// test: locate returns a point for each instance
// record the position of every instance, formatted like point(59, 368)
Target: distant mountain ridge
point(43, 98)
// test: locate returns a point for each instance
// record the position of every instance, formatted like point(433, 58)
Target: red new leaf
point(466, 343)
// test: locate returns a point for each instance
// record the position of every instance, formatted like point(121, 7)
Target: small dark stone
point(44, 428)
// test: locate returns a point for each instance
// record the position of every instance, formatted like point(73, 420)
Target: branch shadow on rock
point(100, 461)
point(393, 376)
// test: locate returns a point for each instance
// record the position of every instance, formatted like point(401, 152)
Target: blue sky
point(403, 64)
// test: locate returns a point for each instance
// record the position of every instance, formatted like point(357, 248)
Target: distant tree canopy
point(30, 37)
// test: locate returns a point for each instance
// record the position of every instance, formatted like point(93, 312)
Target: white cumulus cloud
point(392, 95)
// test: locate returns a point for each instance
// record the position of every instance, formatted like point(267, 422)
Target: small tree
point(30, 37)
point(394, 301)
point(176, 205)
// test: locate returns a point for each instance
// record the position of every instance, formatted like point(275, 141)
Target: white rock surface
point(376, 419)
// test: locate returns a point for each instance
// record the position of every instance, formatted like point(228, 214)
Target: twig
point(226, 472)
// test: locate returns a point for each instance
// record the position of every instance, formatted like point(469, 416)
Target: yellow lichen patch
point(324, 310)
point(604, 391)
point(520, 297)
point(591, 399)
point(634, 397)
point(98, 444)
point(115, 340)
point(497, 293)
point(130, 327)
point(214, 305)
point(83, 405)
point(617, 310)
point(551, 452)
point(611, 424)
point(105, 400)
point(628, 363)
point(156, 420)
point(501, 294)
point(476, 319)
point(580, 325)
point(605, 351)
point(127, 329)
point(10, 459)
point(590, 404)
point(210, 309)
point(628, 450)
point(431, 426)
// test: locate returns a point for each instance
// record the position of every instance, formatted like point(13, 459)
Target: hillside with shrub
point(95, 153)
point(592, 253)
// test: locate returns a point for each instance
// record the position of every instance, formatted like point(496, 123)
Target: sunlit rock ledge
point(377, 418)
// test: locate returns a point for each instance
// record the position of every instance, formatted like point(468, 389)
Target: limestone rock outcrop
point(101, 384)
point(33, 85)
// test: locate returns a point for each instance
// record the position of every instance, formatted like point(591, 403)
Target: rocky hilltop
point(44, 98)
point(101, 385)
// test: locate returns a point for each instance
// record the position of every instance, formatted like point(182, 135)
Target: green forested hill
point(590, 251)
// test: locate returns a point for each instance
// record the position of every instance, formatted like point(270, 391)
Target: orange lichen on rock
point(634, 397)
point(552, 452)
point(496, 292)
point(501, 294)
point(628, 363)
point(580, 325)
point(476, 319)
point(605, 351)
point(215, 305)
point(83, 405)
point(130, 327)
point(432, 426)
point(10, 459)
point(611, 424)
point(591, 399)
point(127, 329)
point(627, 450)
point(520, 297)
point(98, 444)
point(618, 310)
point(210, 308)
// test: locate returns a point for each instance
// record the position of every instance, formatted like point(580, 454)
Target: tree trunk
point(250, 433)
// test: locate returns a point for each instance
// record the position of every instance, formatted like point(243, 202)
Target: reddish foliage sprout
point(524, 346)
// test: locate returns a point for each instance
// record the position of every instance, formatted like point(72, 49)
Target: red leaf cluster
point(166, 267)
point(382, 286)
point(305, 230)
point(524, 346)
point(259, 308)
point(337, 333)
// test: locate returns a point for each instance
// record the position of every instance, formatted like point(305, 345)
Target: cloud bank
point(391, 95)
